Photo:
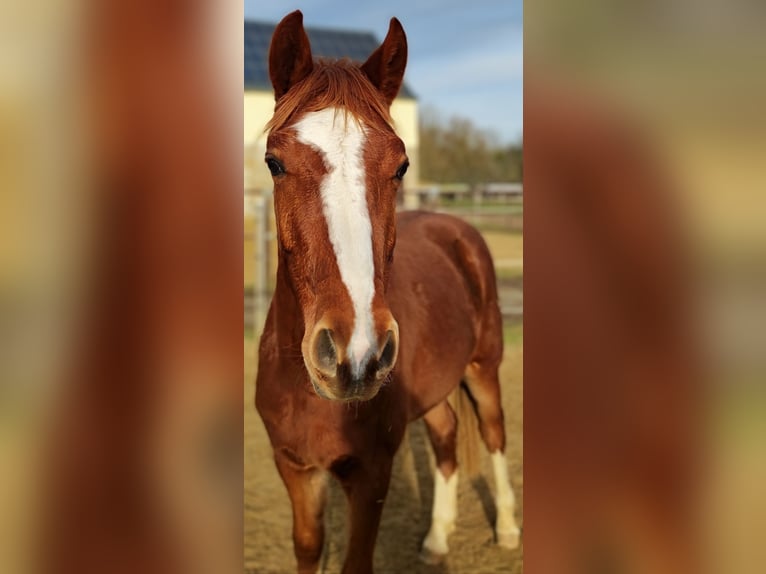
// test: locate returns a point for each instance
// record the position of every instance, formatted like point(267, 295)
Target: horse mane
point(333, 83)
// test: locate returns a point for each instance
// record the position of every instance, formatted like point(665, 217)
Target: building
point(259, 97)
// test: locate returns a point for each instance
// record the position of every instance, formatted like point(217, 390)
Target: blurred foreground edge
point(611, 404)
point(145, 466)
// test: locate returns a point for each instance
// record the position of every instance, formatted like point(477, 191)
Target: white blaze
point(344, 203)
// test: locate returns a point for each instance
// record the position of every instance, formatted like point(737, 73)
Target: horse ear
point(289, 54)
point(385, 67)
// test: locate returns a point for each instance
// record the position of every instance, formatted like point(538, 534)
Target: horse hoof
point(508, 539)
point(430, 557)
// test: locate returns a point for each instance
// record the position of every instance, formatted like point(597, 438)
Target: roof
point(325, 43)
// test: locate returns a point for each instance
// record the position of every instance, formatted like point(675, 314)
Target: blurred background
point(120, 287)
point(644, 144)
point(459, 114)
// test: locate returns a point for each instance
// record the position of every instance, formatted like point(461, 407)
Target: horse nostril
point(388, 354)
point(325, 350)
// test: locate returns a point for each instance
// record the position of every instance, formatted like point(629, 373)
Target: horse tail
point(467, 432)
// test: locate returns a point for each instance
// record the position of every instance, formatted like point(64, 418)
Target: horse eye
point(402, 170)
point(275, 166)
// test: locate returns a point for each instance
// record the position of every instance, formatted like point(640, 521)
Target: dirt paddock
point(406, 516)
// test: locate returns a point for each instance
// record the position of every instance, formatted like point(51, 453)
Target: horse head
point(337, 165)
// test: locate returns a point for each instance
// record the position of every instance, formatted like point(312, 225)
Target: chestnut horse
point(360, 340)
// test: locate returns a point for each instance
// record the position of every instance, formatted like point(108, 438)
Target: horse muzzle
point(339, 374)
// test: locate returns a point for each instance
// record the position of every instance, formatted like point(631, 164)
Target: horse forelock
point(339, 84)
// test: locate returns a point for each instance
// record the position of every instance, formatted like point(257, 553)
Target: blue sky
point(465, 56)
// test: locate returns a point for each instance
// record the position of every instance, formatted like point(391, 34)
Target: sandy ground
point(406, 516)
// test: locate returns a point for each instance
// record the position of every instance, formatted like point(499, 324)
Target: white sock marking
point(344, 203)
point(443, 515)
point(505, 501)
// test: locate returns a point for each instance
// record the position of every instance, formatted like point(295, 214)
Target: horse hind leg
point(506, 529)
point(441, 424)
point(484, 386)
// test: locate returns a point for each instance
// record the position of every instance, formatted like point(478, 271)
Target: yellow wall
point(258, 109)
point(405, 114)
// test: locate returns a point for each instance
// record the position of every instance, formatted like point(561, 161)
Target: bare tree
point(455, 150)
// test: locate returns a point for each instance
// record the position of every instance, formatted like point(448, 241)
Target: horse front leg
point(366, 486)
point(307, 488)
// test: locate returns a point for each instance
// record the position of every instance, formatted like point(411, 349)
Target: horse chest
point(316, 432)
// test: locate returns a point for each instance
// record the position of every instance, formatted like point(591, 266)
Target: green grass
point(513, 334)
point(509, 273)
point(739, 411)
point(505, 244)
point(466, 204)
